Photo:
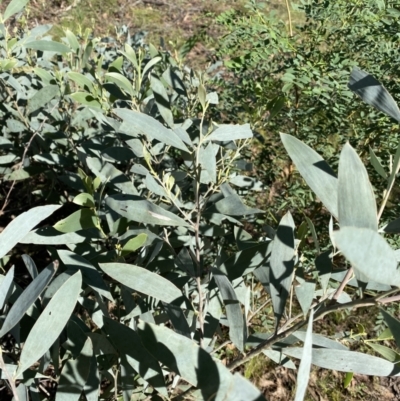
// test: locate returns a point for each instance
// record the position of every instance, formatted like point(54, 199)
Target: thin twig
point(290, 18)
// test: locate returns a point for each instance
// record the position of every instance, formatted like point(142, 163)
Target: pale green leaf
point(356, 200)
point(47, 46)
point(142, 280)
point(21, 225)
point(50, 323)
point(316, 172)
point(79, 220)
point(27, 298)
point(369, 253)
point(347, 361)
point(14, 7)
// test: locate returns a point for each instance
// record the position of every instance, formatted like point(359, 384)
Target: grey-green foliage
point(156, 270)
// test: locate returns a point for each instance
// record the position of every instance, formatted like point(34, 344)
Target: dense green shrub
point(134, 195)
point(298, 84)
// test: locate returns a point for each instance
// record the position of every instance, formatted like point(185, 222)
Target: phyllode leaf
point(21, 225)
point(356, 199)
point(27, 298)
point(282, 265)
point(315, 170)
point(369, 253)
point(371, 91)
point(50, 323)
point(347, 361)
point(142, 280)
point(237, 328)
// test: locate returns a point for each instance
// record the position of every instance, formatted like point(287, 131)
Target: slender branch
point(343, 284)
point(290, 18)
point(319, 314)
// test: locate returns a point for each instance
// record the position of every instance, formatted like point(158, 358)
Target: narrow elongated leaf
point(377, 164)
point(47, 46)
point(356, 200)
point(303, 375)
point(237, 328)
point(230, 133)
point(195, 365)
point(72, 40)
point(129, 344)
point(347, 361)
point(50, 323)
point(30, 265)
point(162, 100)
point(386, 352)
point(14, 7)
point(6, 287)
point(21, 225)
point(137, 209)
point(282, 265)
point(207, 160)
point(369, 253)
point(27, 298)
point(90, 275)
point(315, 170)
point(320, 340)
point(75, 374)
point(136, 124)
point(50, 236)
point(393, 324)
point(373, 92)
point(142, 280)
